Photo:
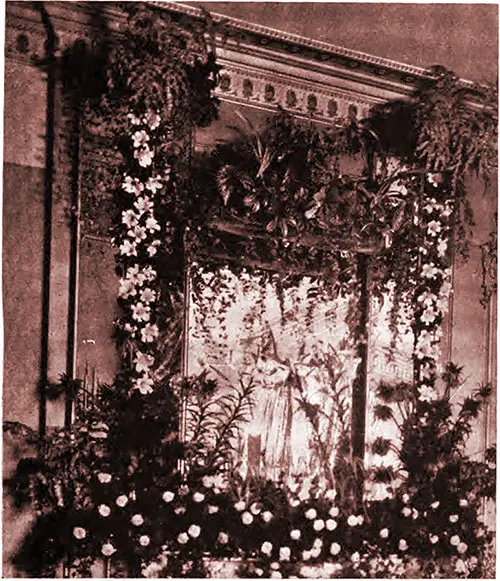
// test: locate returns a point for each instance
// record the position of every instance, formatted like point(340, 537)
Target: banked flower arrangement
point(116, 486)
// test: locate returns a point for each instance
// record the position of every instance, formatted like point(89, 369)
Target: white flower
point(168, 496)
point(319, 525)
point(133, 119)
point(433, 539)
point(266, 548)
point(462, 548)
point(152, 249)
point(143, 362)
point(240, 506)
point(311, 514)
point(454, 540)
point(104, 510)
point(198, 497)
point(318, 543)
point(149, 333)
point(433, 228)
point(152, 224)
point(334, 511)
point(132, 185)
point(460, 566)
point(435, 504)
point(194, 531)
point(384, 533)
point(129, 218)
point(144, 384)
point(428, 316)
point(122, 500)
point(108, 549)
point(212, 509)
point(429, 270)
point(330, 494)
point(140, 138)
point(223, 538)
point(335, 549)
point(153, 184)
point(182, 538)
point(255, 508)
point(448, 211)
point(144, 540)
point(259, 572)
point(330, 569)
point(442, 247)
point(427, 298)
point(141, 312)
point(435, 179)
point(128, 248)
point(285, 553)
point(137, 520)
point(453, 518)
point(405, 498)
point(355, 557)
point(79, 533)
point(427, 393)
point(295, 534)
point(143, 204)
point(402, 545)
point(152, 119)
point(426, 345)
point(134, 275)
point(130, 328)
point(331, 524)
point(353, 520)
point(138, 233)
point(247, 518)
point(149, 273)
point(463, 502)
point(208, 481)
point(104, 477)
point(144, 156)
point(294, 502)
point(275, 575)
point(414, 513)
point(267, 516)
point(126, 288)
point(306, 555)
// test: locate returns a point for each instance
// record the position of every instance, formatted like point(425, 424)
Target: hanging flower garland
point(137, 240)
point(434, 281)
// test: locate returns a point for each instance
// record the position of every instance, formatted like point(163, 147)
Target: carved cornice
point(281, 41)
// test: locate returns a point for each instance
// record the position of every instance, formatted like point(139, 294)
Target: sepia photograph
point(249, 290)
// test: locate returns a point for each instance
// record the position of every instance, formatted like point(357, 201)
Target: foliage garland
point(125, 452)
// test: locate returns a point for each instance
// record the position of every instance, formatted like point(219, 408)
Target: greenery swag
point(124, 484)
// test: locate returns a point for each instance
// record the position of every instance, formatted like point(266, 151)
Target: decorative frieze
point(266, 90)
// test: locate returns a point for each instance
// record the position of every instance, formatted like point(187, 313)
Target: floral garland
point(138, 237)
point(434, 281)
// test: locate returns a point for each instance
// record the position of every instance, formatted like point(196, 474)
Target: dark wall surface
point(22, 300)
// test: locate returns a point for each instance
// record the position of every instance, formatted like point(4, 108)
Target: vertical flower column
point(139, 236)
point(434, 281)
